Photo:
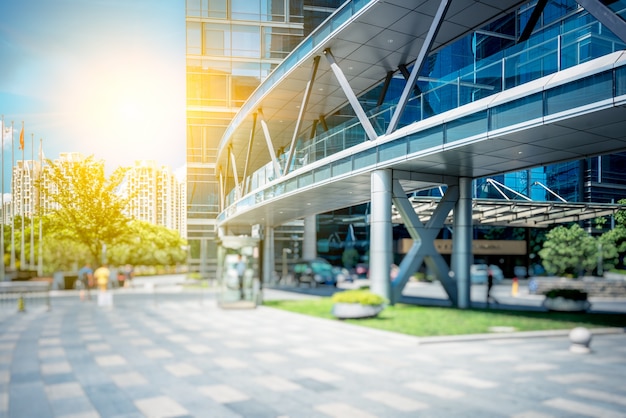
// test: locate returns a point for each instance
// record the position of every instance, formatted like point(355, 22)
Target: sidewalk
point(184, 357)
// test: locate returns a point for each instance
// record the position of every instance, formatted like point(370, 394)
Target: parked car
point(480, 272)
point(314, 272)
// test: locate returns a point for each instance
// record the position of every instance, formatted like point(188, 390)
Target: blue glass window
point(579, 93)
point(466, 126)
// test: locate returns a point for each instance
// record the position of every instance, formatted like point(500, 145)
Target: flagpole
point(32, 202)
point(40, 261)
point(12, 200)
point(2, 199)
point(22, 254)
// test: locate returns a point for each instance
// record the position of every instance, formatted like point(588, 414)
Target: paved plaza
point(179, 355)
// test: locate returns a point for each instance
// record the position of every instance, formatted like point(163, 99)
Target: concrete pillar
point(381, 242)
point(309, 243)
point(462, 242)
point(268, 255)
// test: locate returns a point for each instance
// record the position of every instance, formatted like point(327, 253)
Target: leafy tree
point(615, 241)
point(569, 251)
point(149, 245)
point(88, 211)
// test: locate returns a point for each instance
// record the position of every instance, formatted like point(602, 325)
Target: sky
point(100, 77)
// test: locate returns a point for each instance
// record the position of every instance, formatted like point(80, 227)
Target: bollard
point(580, 338)
point(21, 304)
point(514, 287)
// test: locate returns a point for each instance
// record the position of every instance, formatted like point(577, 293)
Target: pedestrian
point(489, 286)
point(240, 267)
point(129, 273)
point(102, 275)
point(85, 278)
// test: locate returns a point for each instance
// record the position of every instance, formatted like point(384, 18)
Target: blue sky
point(101, 77)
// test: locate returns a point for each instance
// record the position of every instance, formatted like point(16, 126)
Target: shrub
point(573, 294)
point(364, 297)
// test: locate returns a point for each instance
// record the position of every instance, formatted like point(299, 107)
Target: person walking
point(85, 277)
point(102, 275)
point(489, 286)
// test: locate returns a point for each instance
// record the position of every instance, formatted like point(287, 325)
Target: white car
point(480, 272)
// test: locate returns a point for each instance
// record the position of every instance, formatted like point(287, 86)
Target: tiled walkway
point(185, 358)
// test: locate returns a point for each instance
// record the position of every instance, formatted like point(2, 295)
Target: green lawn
point(431, 321)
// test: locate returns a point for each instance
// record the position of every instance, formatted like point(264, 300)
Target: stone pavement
point(181, 356)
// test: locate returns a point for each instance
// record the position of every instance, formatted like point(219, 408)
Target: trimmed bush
point(572, 294)
point(364, 297)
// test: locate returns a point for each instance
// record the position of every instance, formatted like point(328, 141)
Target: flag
point(22, 138)
point(41, 156)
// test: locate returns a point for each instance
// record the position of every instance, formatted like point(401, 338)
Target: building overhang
point(368, 40)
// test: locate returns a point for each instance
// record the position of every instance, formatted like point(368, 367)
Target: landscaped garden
point(435, 321)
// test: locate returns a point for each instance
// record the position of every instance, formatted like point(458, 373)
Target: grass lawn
point(431, 321)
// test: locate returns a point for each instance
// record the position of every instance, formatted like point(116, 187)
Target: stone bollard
point(580, 338)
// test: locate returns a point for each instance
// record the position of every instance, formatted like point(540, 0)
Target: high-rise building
point(156, 195)
point(232, 45)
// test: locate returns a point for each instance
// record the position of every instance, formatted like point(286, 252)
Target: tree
point(88, 209)
point(569, 251)
point(149, 245)
point(615, 240)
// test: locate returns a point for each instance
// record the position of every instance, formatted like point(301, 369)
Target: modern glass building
point(232, 45)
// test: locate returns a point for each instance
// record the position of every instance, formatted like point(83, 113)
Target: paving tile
point(51, 352)
point(270, 357)
point(341, 410)
point(433, 389)
point(160, 407)
point(198, 348)
point(223, 393)
point(574, 378)
point(125, 380)
point(580, 408)
point(230, 362)
point(157, 353)
point(397, 402)
point(319, 374)
point(277, 383)
point(97, 347)
point(109, 361)
point(182, 369)
point(56, 368)
point(64, 390)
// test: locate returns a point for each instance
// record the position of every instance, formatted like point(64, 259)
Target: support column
point(381, 255)
point(462, 242)
point(309, 243)
point(268, 255)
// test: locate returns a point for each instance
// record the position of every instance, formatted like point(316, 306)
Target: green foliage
point(147, 244)
point(362, 296)
point(573, 294)
point(88, 210)
point(569, 251)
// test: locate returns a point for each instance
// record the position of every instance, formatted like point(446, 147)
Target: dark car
point(314, 272)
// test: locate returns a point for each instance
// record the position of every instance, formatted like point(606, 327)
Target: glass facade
point(232, 45)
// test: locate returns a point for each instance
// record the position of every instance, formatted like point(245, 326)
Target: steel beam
point(532, 20)
point(235, 176)
point(423, 248)
point(419, 63)
point(270, 145)
point(249, 153)
point(354, 101)
point(606, 16)
point(303, 106)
